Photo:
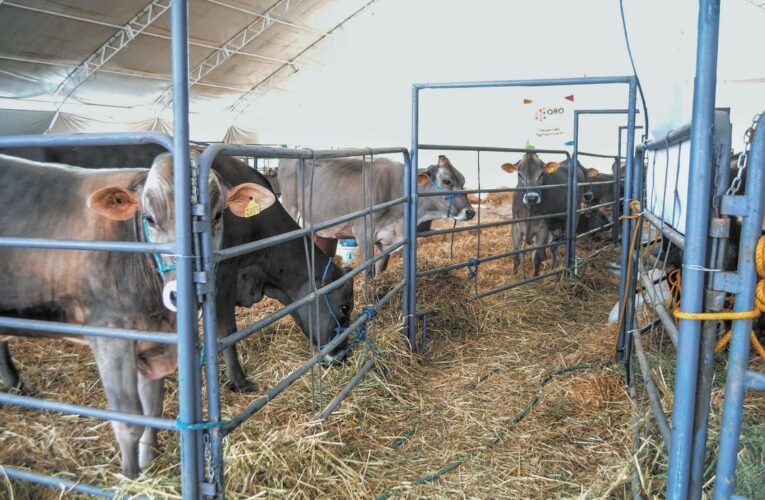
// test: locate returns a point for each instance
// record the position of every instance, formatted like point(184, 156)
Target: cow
point(533, 173)
point(278, 272)
point(337, 190)
point(106, 289)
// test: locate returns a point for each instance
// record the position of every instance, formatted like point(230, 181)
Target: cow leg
point(116, 360)
point(226, 319)
point(8, 372)
point(327, 245)
point(517, 244)
point(151, 393)
point(366, 247)
point(540, 254)
point(382, 264)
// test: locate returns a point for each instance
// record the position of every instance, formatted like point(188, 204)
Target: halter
point(338, 327)
point(448, 197)
point(162, 268)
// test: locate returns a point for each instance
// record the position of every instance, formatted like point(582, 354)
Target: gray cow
point(534, 173)
point(338, 191)
point(108, 289)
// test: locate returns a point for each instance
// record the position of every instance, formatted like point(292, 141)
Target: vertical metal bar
point(617, 188)
point(738, 353)
point(406, 313)
point(625, 299)
point(705, 377)
point(210, 332)
point(185, 295)
point(411, 229)
point(571, 200)
point(694, 255)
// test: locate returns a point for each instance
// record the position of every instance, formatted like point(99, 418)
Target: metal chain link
point(735, 184)
point(209, 469)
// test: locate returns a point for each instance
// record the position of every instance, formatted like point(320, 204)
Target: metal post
point(187, 335)
point(572, 200)
point(738, 353)
point(626, 298)
point(694, 258)
point(407, 313)
point(714, 302)
point(411, 229)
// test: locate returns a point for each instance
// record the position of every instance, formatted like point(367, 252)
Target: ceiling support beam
point(259, 89)
point(121, 39)
point(233, 45)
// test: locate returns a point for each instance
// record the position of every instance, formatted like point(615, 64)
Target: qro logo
point(543, 113)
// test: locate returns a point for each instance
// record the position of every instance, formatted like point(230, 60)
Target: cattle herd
point(43, 195)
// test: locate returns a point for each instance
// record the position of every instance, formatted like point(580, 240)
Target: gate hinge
point(719, 227)
point(735, 205)
point(726, 281)
point(198, 209)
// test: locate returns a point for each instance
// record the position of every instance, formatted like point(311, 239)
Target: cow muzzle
point(588, 196)
point(532, 198)
point(465, 214)
point(169, 295)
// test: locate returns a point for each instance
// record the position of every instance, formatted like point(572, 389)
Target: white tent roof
point(339, 72)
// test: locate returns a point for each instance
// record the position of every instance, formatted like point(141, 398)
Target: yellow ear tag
point(252, 208)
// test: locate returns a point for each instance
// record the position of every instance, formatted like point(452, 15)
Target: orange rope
point(635, 206)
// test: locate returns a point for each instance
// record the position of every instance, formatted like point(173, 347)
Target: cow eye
point(217, 217)
point(150, 221)
point(447, 182)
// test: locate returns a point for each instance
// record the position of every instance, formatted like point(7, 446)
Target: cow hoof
point(245, 386)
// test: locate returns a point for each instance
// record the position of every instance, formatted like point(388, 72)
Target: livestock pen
point(478, 383)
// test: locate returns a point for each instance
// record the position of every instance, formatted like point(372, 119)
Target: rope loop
point(200, 426)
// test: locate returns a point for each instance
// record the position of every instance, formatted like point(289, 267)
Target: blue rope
point(473, 268)
point(201, 426)
point(161, 267)
point(338, 327)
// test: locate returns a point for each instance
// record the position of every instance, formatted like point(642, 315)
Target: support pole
point(694, 258)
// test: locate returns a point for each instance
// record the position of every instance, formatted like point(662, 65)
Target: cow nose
point(531, 198)
point(588, 196)
point(345, 309)
point(469, 214)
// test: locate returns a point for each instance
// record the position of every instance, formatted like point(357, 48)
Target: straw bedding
point(488, 405)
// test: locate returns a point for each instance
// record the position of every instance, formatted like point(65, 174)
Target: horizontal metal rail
point(87, 411)
point(508, 286)
point(674, 138)
point(653, 393)
point(493, 190)
point(55, 482)
point(110, 139)
point(543, 82)
point(598, 229)
point(668, 231)
point(332, 406)
point(236, 251)
point(37, 325)
point(315, 359)
point(597, 155)
point(658, 305)
point(294, 306)
point(106, 246)
point(306, 154)
point(444, 147)
point(435, 232)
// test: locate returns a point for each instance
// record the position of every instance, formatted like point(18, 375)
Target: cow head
point(443, 178)
point(531, 171)
point(334, 313)
point(152, 205)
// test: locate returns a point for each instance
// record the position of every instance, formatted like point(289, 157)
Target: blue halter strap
point(162, 268)
point(338, 327)
point(448, 197)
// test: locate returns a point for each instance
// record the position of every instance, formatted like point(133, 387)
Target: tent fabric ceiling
point(42, 41)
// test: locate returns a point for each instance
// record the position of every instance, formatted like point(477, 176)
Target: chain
point(209, 468)
point(735, 185)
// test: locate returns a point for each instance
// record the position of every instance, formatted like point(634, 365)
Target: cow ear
point(592, 172)
point(443, 160)
point(551, 167)
point(248, 199)
point(114, 203)
point(509, 168)
point(423, 178)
